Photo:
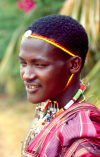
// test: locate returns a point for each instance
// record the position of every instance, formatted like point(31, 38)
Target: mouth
point(32, 88)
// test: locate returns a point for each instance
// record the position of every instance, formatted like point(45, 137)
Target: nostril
point(28, 73)
point(28, 77)
point(29, 81)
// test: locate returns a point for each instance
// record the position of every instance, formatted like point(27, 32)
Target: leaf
point(6, 62)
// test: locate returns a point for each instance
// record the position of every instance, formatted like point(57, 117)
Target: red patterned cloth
point(73, 133)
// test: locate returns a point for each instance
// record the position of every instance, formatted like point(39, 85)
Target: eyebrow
point(20, 58)
point(32, 60)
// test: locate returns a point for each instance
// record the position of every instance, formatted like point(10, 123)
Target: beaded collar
point(47, 111)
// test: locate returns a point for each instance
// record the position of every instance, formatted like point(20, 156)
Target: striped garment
point(73, 133)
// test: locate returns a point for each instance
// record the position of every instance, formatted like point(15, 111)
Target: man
point(52, 54)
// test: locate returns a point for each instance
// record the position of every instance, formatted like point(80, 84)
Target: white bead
point(69, 104)
point(28, 33)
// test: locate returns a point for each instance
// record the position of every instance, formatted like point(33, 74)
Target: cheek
point(60, 78)
point(21, 72)
point(54, 78)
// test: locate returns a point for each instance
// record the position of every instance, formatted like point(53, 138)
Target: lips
point(32, 88)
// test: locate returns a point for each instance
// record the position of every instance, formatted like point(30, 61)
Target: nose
point(28, 74)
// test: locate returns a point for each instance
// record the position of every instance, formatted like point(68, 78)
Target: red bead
point(29, 141)
point(74, 99)
point(82, 87)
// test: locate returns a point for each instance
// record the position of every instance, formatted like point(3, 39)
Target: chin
point(34, 100)
point(31, 100)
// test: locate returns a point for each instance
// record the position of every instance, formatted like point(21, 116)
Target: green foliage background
point(87, 12)
point(10, 18)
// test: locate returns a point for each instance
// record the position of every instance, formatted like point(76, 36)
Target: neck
point(64, 97)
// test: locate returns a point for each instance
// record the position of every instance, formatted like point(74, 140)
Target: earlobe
point(75, 64)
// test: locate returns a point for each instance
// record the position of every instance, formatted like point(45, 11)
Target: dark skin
point(74, 66)
point(45, 72)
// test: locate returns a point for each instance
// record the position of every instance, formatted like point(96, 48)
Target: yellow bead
point(51, 42)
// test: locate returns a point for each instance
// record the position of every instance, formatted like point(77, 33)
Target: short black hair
point(65, 31)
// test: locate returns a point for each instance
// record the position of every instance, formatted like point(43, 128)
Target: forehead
point(39, 48)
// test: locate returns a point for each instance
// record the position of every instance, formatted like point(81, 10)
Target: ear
point(75, 64)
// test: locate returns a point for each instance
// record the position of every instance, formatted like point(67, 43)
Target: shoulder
point(89, 119)
point(83, 132)
point(85, 147)
point(86, 123)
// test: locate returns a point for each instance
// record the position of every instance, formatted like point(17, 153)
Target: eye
point(23, 63)
point(40, 65)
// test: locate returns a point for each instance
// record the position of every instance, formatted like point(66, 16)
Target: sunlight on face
point(41, 70)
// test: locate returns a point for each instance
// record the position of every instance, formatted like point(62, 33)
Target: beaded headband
point(30, 34)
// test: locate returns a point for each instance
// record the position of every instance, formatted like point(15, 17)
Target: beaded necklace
point(46, 112)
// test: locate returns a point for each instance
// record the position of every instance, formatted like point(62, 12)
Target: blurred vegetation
point(13, 23)
point(87, 12)
point(12, 26)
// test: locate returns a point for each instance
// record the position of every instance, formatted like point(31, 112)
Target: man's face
point(42, 70)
